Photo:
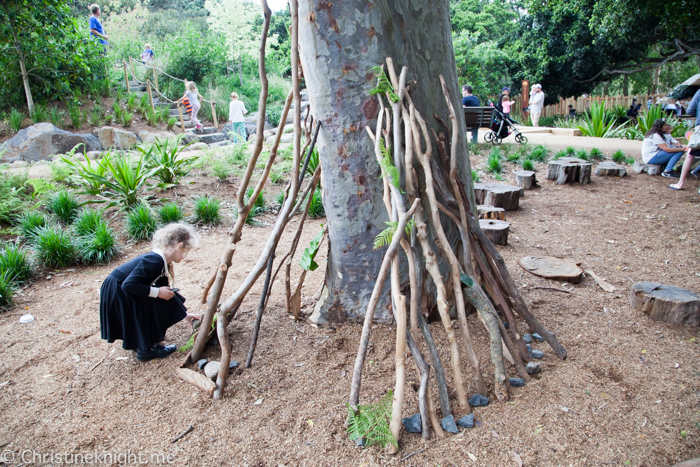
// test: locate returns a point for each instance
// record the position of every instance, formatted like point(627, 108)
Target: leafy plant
point(15, 261)
point(619, 157)
point(131, 102)
point(166, 162)
point(596, 154)
point(570, 151)
point(144, 105)
point(12, 196)
point(499, 177)
point(385, 236)
point(387, 165)
point(258, 208)
point(582, 154)
point(140, 223)
point(76, 116)
point(56, 117)
point(170, 212)
point(307, 262)
point(64, 205)
point(171, 123)
point(560, 154)
point(39, 114)
point(15, 120)
point(316, 207)
point(127, 119)
point(475, 176)
point(274, 114)
point(123, 180)
point(152, 117)
point(275, 177)
point(84, 173)
point(539, 153)
point(98, 246)
point(206, 210)
point(515, 157)
point(371, 422)
point(221, 169)
point(117, 111)
point(280, 198)
point(383, 84)
point(87, 221)
point(528, 165)
point(600, 123)
point(54, 247)
point(29, 223)
point(493, 163)
point(96, 116)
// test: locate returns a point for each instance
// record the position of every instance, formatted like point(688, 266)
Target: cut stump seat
point(666, 303)
point(526, 179)
point(651, 169)
point(569, 170)
point(491, 212)
point(550, 267)
point(499, 195)
point(495, 230)
point(610, 169)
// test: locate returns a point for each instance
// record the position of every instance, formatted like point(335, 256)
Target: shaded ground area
point(628, 388)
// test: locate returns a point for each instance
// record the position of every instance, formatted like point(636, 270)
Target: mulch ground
point(627, 390)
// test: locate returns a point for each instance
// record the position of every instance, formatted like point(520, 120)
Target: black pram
point(501, 127)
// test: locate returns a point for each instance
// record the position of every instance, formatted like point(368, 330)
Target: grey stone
point(360, 442)
point(653, 169)
point(537, 354)
point(412, 424)
point(270, 139)
point(211, 370)
point(40, 141)
point(197, 146)
point(233, 364)
point(477, 400)
point(527, 338)
point(267, 133)
point(190, 138)
point(467, 421)
point(94, 155)
point(537, 337)
point(529, 348)
point(448, 424)
point(116, 138)
point(201, 363)
point(19, 163)
point(151, 137)
point(533, 368)
point(516, 382)
point(287, 138)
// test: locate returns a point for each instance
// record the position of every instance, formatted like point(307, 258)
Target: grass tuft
point(206, 210)
point(54, 248)
point(140, 223)
point(64, 205)
point(170, 212)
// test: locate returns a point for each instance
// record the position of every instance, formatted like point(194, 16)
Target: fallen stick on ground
point(182, 435)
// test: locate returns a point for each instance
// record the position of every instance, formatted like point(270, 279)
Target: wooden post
point(213, 115)
point(150, 94)
point(133, 71)
point(182, 119)
point(126, 77)
point(525, 98)
point(155, 77)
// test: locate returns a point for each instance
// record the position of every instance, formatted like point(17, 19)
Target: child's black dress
point(127, 312)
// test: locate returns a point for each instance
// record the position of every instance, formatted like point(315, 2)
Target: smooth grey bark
point(339, 43)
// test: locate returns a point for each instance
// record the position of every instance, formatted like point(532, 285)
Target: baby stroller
point(500, 127)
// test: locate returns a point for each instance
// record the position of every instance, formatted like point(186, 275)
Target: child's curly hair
point(171, 235)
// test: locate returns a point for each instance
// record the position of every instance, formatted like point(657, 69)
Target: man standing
point(536, 104)
point(96, 29)
point(692, 109)
point(469, 100)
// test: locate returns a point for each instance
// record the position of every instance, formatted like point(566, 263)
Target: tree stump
point(491, 212)
point(526, 179)
point(550, 267)
point(496, 231)
point(569, 170)
point(610, 169)
point(666, 303)
point(651, 169)
point(499, 195)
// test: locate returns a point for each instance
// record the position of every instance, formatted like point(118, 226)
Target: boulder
point(211, 370)
point(151, 137)
point(111, 137)
point(94, 155)
point(40, 141)
point(190, 138)
point(197, 147)
point(287, 138)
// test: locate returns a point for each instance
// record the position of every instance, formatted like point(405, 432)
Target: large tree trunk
point(340, 42)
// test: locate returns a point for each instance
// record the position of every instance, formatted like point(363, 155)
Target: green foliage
point(276, 176)
point(39, 114)
point(600, 123)
point(166, 162)
point(56, 116)
point(87, 221)
point(387, 165)
point(206, 210)
point(7, 288)
point(383, 84)
point(221, 169)
point(528, 165)
point(15, 261)
point(127, 119)
point(475, 176)
point(313, 161)
point(123, 180)
point(117, 111)
point(385, 236)
point(307, 262)
point(596, 154)
point(131, 102)
point(13, 196)
point(279, 199)
point(619, 157)
point(582, 154)
point(29, 223)
point(560, 154)
point(238, 154)
point(539, 153)
point(140, 222)
point(64, 205)
point(98, 246)
point(80, 172)
point(274, 114)
point(493, 163)
point(152, 117)
point(515, 157)
point(194, 55)
point(96, 116)
point(76, 116)
point(570, 151)
point(316, 207)
point(15, 120)
point(171, 123)
point(258, 208)
point(371, 422)
point(54, 247)
point(170, 212)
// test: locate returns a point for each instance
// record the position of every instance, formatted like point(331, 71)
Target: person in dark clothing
point(633, 113)
point(572, 113)
point(469, 100)
point(137, 305)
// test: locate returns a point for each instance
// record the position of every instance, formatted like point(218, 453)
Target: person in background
point(193, 96)
point(633, 113)
point(469, 100)
point(690, 156)
point(636, 104)
point(96, 29)
point(147, 54)
point(660, 148)
point(504, 102)
point(236, 110)
point(692, 109)
point(650, 102)
point(536, 104)
point(572, 113)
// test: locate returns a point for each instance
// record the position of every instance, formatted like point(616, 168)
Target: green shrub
point(98, 246)
point(127, 119)
point(30, 222)
point(314, 161)
point(87, 221)
point(629, 161)
point(56, 117)
point(515, 157)
point(548, 121)
point(117, 111)
point(167, 162)
point(131, 102)
point(238, 154)
point(274, 114)
point(170, 212)
point(64, 205)
point(279, 199)
point(7, 288)
point(539, 153)
point(493, 163)
point(171, 123)
point(140, 223)
point(287, 153)
point(15, 120)
point(619, 157)
point(560, 154)
point(60, 172)
point(122, 182)
point(570, 151)
point(221, 169)
point(582, 154)
point(596, 154)
point(76, 116)
point(275, 177)
point(475, 176)
point(39, 114)
point(316, 206)
point(54, 248)
point(152, 117)
point(81, 172)
point(13, 196)
point(528, 165)
point(14, 260)
point(601, 123)
point(96, 116)
point(144, 104)
point(206, 210)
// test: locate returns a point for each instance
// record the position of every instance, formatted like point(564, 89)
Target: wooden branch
point(437, 364)
point(603, 285)
point(187, 431)
point(424, 370)
point(401, 331)
point(261, 308)
point(197, 379)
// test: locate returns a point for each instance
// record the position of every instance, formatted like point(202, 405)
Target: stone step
point(210, 138)
point(188, 123)
point(219, 144)
point(207, 130)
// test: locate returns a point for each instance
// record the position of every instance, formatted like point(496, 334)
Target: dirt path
point(628, 388)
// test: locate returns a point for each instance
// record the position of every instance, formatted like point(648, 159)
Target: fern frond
point(383, 84)
point(387, 165)
point(385, 236)
point(190, 343)
point(371, 422)
point(410, 226)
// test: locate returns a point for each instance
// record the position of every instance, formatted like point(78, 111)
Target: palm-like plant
point(81, 171)
point(166, 162)
point(600, 123)
point(123, 181)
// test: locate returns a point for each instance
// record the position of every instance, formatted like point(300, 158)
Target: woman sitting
point(691, 155)
point(660, 148)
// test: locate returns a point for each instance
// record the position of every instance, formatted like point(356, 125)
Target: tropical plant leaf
point(307, 258)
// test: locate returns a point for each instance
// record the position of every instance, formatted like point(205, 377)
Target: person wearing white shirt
point(659, 147)
point(236, 110)
point(536, 104)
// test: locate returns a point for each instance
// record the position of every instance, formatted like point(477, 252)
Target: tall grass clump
point(15, 120)
point(582, 154)
point(64, 205)
point(560, 154)
point(87, 221)
point(98, 246)
point(206, 210)
point(316, 207)
point(493, 163)
point(259, 206)
point(96, 116)
point(167, 162)
point(601, 123)
point(170, 212)
point(475, 176)
point(39, 114)
point(528, 165)
point(76, 116)
point(140, 223)
point(56, 117)
point(127, 119)
point(221, 169)
point(54, 248)
point(29, 222)
point(15, 260)
point(570, 151)
point(539, 153)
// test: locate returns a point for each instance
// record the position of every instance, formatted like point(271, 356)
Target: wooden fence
point(581, 104)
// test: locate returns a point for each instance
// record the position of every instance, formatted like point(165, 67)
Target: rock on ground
point(516, 382)
point(448, 424)
point(467, 421)
point(533, 368)
point(211, 370)
point(412, 424)
point(477, 400)
point(151, 137)
point(197, 146)
point(41, 141)
point(111, 137)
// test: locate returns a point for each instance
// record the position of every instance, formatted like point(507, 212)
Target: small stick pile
point(475, 267)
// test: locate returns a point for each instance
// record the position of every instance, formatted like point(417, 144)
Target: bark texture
point(339, 44)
